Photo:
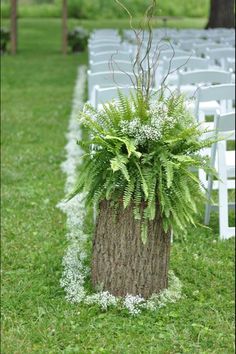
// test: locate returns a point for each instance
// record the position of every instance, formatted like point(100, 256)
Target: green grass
point(182, 22)
point(97, 9)
point(37, 88)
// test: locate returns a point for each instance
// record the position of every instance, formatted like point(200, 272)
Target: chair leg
point(208, 204)
point(223, 191)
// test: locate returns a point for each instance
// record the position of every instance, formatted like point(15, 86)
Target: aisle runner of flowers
point(75, 271)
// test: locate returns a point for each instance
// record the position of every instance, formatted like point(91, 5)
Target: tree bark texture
point(121, 263)
point(221, 14)
point(13, 26)
point(64, 27)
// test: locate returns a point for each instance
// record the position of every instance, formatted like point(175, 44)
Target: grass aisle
point(37, 92)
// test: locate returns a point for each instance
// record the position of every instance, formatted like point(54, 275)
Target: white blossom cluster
point(75, 271)
point(140, 132)
point(151, 131)
point(104, 299)
point(132, 304)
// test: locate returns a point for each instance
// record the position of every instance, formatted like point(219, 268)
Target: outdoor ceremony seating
point(106, 79)
point(110, 55)
point(219, 56)
point(179, 63)
point(224, 162)
point(104, 95)
point(189, 81)
point(112, 65)
point(220, 96)
point(215, 98)
point(202, 49)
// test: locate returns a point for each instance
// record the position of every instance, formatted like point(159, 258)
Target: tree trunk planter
point(121, 263)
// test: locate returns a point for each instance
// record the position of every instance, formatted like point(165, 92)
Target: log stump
point(121, 263)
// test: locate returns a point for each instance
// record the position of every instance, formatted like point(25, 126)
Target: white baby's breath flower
point(132, 303)
point(103, 299)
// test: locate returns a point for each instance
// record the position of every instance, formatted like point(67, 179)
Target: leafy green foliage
point(4, 39)
point(143, 153)
point(90, 9)
point(78, 39)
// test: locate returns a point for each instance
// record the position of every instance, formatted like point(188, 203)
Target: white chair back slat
point(110, 55)
point(108, 47)
point(108, 79)
point(111, 65)
point(216, 93)
point(186, 62)
point(203, 76)
point(226, 123)
point(225, 165)
point(105, 95)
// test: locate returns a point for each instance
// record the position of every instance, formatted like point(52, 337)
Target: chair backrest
point(221, 54)
point(104, 41)
point(108, 79)
point(186, 62)
point(218, 53)
point(104, 95)
point(216, 92)
point(104, 33)
point(224, 93)
point(100, 48)
point(190, 43)
point(201, 49)
point(203, 77)
point(170, 53)
point(109, 55)
point(112, 65)
point(230, 64)
point(225, 125)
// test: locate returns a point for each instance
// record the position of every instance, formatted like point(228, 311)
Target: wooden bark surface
point(13, 26)
point(121, 263)
point(221, 14)
point(64, 27)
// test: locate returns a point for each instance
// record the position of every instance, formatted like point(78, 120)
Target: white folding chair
point(103, 40)
point(220, 55)
point(189, 81)
point(211, 98)
point(108, 79)
point(230, 64)
point(100, 48)
point(111, 65)
point(224, 161)
point(104, 95)
point(185, 63)
point(181, 63)
point(110, 55)
point(202, 49)
point(176, 64)
point(190, 43)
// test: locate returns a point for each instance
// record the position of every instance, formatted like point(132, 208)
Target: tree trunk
point(64, 27)
point(221, 14)
point(121, 263)
point(13, 26)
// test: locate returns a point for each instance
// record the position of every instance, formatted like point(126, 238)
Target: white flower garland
point(75, 271)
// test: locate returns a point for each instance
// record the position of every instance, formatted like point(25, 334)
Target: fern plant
point(143, 153)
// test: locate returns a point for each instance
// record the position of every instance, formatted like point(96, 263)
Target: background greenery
point(93, 9)
point(37, 88)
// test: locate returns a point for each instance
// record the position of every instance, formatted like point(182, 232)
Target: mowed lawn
point(37, 89)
